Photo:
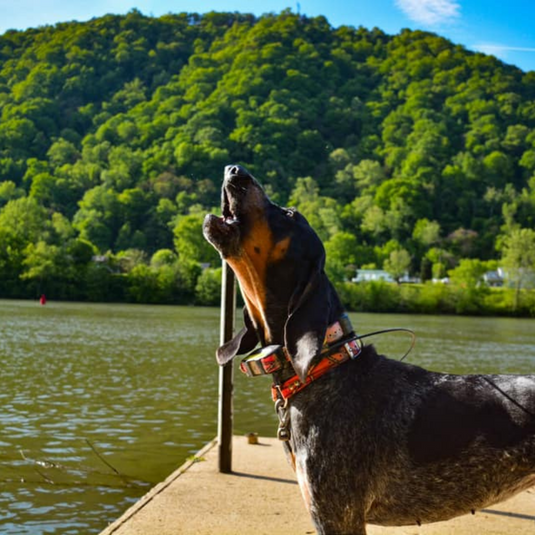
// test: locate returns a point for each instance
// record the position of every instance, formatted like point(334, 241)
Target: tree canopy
point(114, 134)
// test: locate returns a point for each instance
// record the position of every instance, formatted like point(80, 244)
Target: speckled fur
point(375, 440)
point(373, 454)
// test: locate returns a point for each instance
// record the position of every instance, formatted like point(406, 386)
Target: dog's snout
point(238, 184)
point(236, 170)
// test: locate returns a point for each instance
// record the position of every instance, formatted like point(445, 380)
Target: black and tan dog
point(373, 440)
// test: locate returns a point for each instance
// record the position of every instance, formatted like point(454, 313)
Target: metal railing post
point(224, 427)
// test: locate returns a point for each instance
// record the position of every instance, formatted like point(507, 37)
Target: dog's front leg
point(329, 516)
point(344, 526)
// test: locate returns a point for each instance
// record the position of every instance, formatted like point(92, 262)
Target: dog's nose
point(236, 170)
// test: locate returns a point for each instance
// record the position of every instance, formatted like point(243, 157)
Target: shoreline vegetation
point(406, 153)
point(371, 296)
point(436, 298)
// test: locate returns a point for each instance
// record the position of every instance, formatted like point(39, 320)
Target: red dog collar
point(270, 359)
point(293, 385)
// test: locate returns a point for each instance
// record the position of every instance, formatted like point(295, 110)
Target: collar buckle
point(352, 348)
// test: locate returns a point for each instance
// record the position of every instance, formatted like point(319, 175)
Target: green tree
point(397, 264)
point(208, 287)
point(163, 257)
point(518, 258)
point(130, 259)
point(9, 191)
point(98, 218)
point(469, 273)
point(43, 263)
point(426, 232)
point(190, 243)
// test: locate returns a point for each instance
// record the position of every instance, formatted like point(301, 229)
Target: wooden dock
point(261, 496)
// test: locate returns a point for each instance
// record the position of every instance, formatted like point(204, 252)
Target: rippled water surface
point(100, 402)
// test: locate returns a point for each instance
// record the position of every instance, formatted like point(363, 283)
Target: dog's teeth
point(229, 219)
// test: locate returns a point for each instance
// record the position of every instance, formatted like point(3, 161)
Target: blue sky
point(503, 28)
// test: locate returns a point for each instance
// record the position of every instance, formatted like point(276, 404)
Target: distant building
point(100, 259)
point(368, 275)
point(494, 279)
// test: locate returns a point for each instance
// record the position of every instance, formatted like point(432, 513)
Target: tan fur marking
point(252, 288)
point(291, 456)
point(250, 269)
point(258, 251)
point(303, 485)
point(280, 249)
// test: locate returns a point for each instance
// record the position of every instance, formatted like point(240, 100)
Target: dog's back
point(414, 446)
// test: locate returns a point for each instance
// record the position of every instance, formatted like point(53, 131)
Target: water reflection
point(101, 401)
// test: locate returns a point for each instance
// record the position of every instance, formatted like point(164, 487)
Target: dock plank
point(262, 497)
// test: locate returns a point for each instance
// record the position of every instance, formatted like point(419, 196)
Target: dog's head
point(278, 260)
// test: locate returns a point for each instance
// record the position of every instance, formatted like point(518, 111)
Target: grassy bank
point(432, 298)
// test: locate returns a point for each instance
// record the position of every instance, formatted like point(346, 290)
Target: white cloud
point(501, 49)
point(430, 12)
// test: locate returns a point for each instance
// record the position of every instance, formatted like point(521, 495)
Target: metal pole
point(224, 430)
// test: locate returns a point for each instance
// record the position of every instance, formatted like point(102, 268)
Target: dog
point(372, 440)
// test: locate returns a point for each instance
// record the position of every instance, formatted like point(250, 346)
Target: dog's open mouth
point(229, 216)
point(224, 232)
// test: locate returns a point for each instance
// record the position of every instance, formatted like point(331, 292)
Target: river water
point(100, 402)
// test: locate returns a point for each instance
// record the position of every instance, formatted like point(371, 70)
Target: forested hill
point(114, 134)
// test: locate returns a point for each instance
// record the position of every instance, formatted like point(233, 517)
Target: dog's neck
point(276, 313)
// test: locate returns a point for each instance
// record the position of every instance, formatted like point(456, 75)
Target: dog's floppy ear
point(243, 342)
point(307, 322)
